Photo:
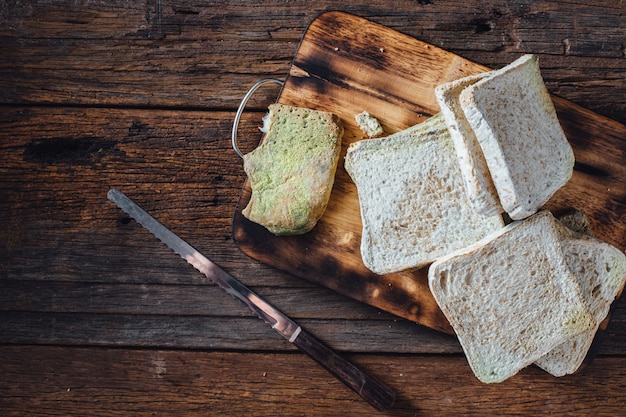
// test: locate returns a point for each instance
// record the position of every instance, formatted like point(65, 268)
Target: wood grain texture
point(140, 95)
point(119, 382)
point(76, 271)
point(206, 54)
point(346, 64)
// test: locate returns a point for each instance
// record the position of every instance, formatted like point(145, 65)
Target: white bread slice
point(600, 271)
point(413, 205)
point(511, 297)
point(514, 120)
point(478, 184)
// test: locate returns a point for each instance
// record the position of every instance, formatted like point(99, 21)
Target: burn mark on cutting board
point(72, 151)
point(327, 61)
point(334, 54)
point(590, 169)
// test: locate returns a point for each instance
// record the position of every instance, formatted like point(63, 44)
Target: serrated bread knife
point(374, 392)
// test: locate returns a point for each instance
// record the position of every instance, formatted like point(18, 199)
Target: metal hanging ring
point(242, 107)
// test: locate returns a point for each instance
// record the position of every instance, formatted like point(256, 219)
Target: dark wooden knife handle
point(374, 392)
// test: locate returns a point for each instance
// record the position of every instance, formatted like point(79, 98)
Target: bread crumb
point(368, 124)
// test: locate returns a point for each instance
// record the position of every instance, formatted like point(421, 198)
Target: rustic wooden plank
point(69, 251)
point(178, 300)
point(59, 163)
point(102, 49)
point(188, 316)
point(206, 54)
point(338, 68)
point(55, 381)
point(298, 302)
point(238, 333)
point(199, 332)
point(60, 240)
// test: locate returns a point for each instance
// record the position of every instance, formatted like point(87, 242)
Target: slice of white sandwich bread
point(600, 271)
point(512, 118)
point(478, 183)
point(514, 297)
point(413, 204)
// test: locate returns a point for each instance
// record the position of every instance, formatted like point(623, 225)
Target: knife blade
point(374, 392)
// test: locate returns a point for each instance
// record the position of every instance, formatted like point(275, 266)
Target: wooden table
point(98, 318)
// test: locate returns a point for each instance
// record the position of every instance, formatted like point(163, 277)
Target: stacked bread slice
point(479, 185)
point(600, 270)
point(504, 124)
point(516, 156)
point(533, 291)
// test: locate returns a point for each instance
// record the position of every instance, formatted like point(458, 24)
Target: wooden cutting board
point(346, 64)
